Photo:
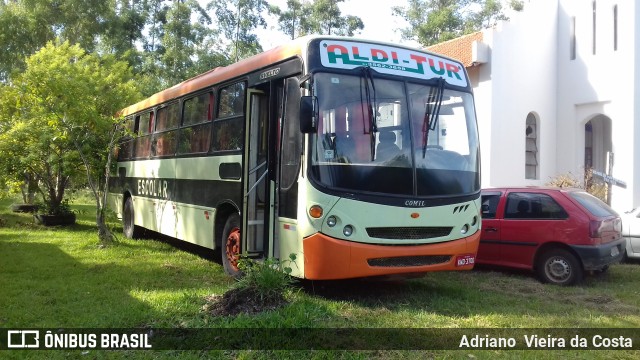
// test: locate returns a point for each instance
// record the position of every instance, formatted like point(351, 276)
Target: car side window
point(490, 205)
point(533, 206)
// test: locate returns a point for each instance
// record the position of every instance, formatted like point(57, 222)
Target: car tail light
point(595, 229)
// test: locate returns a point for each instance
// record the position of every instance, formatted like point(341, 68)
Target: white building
point(558, 88)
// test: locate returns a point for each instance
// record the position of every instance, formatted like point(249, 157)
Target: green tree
point(63, 122)
point(327, 19)
point(489, 14)
point(432, 21)
point(292, 19)
point(316, 17)
point(123, 30)
point(237, 19)
point(21, 34)
point(182, 41)
point(435, 21)
point(14, 178)
point(27, 25)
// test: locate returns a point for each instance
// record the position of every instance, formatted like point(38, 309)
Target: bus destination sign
point(390, 60)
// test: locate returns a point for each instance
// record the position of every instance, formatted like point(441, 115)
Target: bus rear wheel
point(231, 241)
point(129, 228)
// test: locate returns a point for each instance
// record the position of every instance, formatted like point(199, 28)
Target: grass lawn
point(60, 278)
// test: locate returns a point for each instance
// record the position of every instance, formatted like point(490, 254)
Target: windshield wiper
point(371, 107)
point(431, 112)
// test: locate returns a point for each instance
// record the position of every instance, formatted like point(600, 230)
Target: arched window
point(531, 148)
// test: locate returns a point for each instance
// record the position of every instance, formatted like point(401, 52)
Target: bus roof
point(221, 74)
point(295, 48)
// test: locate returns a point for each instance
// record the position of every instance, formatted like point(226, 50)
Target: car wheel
point(559, 267)
point(231, 242)
point(625, 257)
point(129, 228)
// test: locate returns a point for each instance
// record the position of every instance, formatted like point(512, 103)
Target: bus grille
point(408, 233)
point(406, 261)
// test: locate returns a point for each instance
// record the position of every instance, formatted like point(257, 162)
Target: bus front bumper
point(327, 258)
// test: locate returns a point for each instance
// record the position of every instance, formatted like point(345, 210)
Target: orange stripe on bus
point(327, 258)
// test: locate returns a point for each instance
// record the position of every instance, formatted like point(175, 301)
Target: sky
point(379, 23)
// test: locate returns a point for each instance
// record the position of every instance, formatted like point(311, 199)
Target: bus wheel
point(129, 228)
point(231, 250)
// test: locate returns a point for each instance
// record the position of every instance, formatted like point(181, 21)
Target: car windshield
point(594, 205)
point(395, 137)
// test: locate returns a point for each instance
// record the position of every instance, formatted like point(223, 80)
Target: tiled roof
point(458, 48)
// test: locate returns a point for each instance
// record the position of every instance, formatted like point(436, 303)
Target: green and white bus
point(361, 158)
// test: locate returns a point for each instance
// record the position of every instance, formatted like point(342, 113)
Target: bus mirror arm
point(308, 114)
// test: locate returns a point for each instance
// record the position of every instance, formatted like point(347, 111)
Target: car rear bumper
point(598, 257)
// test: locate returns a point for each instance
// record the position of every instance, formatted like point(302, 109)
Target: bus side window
point(126, 142)
point(195, 134)
point(165, 140)
point(231, 100)
point(229, 122)
point(143, 141)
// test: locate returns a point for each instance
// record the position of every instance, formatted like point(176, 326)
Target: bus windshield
point(386, 136)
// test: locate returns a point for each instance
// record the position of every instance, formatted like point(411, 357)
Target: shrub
point(565, 181)
point(269, 278)
point(589, 184)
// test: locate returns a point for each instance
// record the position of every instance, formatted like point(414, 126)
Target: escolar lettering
point(153, 188)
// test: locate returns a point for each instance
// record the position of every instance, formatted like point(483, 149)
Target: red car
point(558, 233)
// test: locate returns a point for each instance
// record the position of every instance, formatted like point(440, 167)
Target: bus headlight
point(348, 230)
point(332, 221)
point(464, 229)
point(474, 221)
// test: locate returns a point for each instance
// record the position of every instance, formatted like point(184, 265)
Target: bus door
point(289, 157)
point(258, 189)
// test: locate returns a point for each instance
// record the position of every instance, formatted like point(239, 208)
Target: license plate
point(464, 260)
point(615, 251)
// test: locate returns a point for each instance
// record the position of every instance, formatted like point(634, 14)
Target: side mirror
point(308, 115)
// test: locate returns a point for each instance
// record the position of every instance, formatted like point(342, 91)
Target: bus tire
point(129, 228)
point(231, 241)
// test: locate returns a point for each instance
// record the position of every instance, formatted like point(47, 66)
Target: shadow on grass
point(484, 292)
point(200, 251)
point(56, 290)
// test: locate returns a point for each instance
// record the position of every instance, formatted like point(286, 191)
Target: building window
point(572, 45)
point(615, 27)
point(593, 45)
point(531, 148)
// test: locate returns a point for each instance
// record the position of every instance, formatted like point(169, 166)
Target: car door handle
point(491, 229)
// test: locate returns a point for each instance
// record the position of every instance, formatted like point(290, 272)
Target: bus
point(359, 158)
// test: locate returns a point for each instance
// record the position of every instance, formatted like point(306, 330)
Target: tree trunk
point(32, 188)
point(99, 192)
point(104, 234)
